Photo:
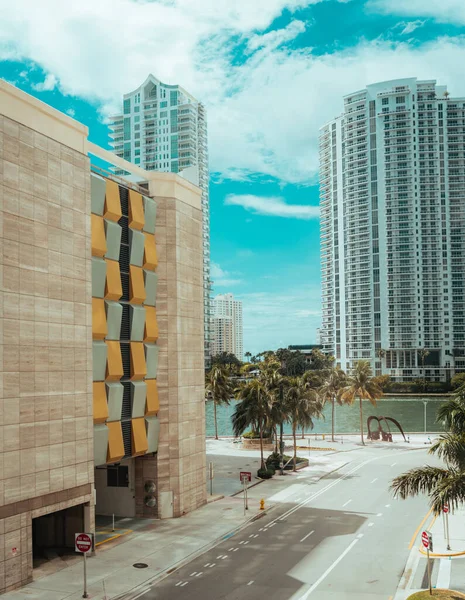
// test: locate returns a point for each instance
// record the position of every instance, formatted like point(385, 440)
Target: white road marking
point(231, 549)
point(445, 566)
point(328, 571)
point(393, 464)
point(212, 565)
point(194, 573)
point(207, 565)
point(387, 505)
point(241, 542)
point(220, 556)
point(198, 574)
point(330, 485)
point(185, 583)
point(179, 583)
point(235, 549)
point(370, 524)
point(348, 502)
point(256, 535)
point(250, 582)
point(360, 535)
point(261, 529)
point(246, 542)
point(375, 479)
point(308, 535)
point(379, 515)
point(225, 556)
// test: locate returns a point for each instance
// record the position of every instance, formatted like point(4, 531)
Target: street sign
point(445, 508)
point(425, 539)
point(83, 542)
point(247, 475)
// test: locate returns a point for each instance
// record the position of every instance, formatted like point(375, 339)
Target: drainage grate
point(140, 565)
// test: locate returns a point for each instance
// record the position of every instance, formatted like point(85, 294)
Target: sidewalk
point(163, 546)
point(456, 535)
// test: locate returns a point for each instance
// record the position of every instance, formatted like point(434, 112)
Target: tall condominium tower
point(164, 128)
point(227, 326)
point(393, 229)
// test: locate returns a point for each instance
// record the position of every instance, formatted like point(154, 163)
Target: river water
point(408, 410)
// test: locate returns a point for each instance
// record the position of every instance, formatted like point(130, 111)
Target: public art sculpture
point(380, 433)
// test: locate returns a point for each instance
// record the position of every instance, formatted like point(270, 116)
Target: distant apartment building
point(94, 420)
point(227, 326)
point(392, 195)
point(164, 128)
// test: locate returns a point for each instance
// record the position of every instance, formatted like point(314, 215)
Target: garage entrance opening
point(53, 535)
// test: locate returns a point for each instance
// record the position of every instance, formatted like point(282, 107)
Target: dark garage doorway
point(53, 534)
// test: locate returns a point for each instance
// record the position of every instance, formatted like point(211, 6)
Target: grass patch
point(442, 594)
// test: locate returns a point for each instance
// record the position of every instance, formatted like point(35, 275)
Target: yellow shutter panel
point(139, 437)
point(152, 401)
point(113, 288)
point(151, 325)
point(138, 367)
point(99, 242)
point(136, 211)
point(112, 210)
point(99, 319)
point(150, 252)
point(100, 402)
point(115, 442)
point(137, 293)
point(114, 362)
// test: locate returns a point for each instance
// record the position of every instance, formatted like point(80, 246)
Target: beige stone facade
point(46, 404)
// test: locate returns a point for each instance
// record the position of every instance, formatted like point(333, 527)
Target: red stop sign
point(425, 539)
point(83, 542)
point(445, 508)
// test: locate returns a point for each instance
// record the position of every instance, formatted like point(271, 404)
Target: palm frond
point(417, 481)
point(450, 447)
point(450, 491)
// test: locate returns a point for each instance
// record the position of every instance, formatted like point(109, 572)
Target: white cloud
point(273, 206)
point(71, 112)
point(264, 115)
point(273, 320)
point(50, 82)
point(445, 11)
point(409, 26)
point(222, 278)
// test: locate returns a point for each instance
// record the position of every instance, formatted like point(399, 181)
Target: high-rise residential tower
point(392, 194)
point(227, 326)
point(164, 128)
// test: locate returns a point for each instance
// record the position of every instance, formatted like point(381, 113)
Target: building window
point(174, 98)
point(400, 99)
point(127, 106)
point(163, 104)
point(117, 476)
point(385, 101)
point(127, 128)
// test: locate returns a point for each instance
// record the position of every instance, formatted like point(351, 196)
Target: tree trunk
point(281, 443)
point(261, 444)
point(276, 439)
point(332, 419)
point(361, 421)
point(294, 429)
point(216, 424)
point(303, 432)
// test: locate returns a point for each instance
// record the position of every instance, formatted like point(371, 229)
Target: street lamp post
point(425, 402)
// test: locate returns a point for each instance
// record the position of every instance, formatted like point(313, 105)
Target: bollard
point(262, 504)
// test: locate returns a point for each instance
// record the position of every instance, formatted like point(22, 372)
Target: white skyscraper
point(227, 326)
point(392, 194)
point(164, 128)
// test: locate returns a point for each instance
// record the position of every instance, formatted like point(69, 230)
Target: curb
point(438, 554)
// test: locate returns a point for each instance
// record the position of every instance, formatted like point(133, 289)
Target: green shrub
point(265, 473)
point(254, 435)
point(274, 460)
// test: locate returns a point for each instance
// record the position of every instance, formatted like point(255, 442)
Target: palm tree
point(444, 485)
point(303, 405)
point(253, 410)
point(330, 391)
point(219, 384)
point(423, 353)
point(275, 384)
point(361, 386)
point(248, 355)
point(381, 353)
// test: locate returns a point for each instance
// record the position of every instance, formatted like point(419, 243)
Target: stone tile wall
point(45, 338)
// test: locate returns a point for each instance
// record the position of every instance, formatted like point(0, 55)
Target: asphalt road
point(343, 538)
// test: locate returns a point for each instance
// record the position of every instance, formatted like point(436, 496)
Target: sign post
point(245, 476)
point(211, 478)
point(427, 541)
point(445, 510)
point(83, 544)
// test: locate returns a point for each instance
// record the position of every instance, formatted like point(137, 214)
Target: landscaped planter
point(254, 443)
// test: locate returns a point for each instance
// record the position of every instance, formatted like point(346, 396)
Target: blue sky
point(270, 73)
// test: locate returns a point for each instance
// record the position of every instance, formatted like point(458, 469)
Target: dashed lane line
point(306, 536)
